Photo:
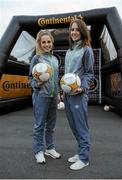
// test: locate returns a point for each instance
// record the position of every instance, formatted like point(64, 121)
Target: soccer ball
point(70, 82)
point(42, 71)
point(61, 106)
point(106, 108)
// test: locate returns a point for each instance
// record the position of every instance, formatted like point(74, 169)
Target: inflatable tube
point(97, 20)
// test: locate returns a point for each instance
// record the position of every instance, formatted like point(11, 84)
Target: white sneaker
point(78, 165)
point(73, 159)
point(52, 153)
point(40, 157)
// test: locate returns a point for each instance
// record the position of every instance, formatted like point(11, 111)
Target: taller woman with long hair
point(79, 59)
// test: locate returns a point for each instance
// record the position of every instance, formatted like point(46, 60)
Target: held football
point(42, 71)
point(70, 82)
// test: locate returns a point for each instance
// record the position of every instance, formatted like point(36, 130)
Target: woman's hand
point(77, 91)
point(40, 83)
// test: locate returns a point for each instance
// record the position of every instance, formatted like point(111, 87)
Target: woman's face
point(75, 33)
point(46, 43)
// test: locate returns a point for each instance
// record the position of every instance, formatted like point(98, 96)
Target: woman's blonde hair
point(38, 39)
point(85, 34)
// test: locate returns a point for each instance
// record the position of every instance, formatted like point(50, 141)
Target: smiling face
point(46, 43)
point(75, 33)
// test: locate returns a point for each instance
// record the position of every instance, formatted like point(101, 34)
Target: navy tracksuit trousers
point(76, 110)
point(45, 109)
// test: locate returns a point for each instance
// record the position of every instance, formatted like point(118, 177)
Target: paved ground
point(17, 160)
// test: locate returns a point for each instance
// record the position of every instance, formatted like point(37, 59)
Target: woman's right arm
point(32, 81)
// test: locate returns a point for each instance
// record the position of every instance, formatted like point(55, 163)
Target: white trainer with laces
point(40, 157)
point(73, 159)
point(52, 153)
point(78, 165)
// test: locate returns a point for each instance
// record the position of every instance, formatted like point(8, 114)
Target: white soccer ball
point(42, 71)
point(61, 106)
point(70, 82)
point(106, 108)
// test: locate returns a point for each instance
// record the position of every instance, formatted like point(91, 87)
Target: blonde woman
point(44, 99)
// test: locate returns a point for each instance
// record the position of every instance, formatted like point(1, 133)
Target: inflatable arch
point(106, 30)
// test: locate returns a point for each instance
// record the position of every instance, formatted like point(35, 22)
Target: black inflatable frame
point(96, 18)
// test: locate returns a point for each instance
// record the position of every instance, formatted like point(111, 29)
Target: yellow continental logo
point(62, 20)
point(12, 86)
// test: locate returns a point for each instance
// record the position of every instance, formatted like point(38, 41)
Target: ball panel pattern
point(69, 82)
point(42, 71)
